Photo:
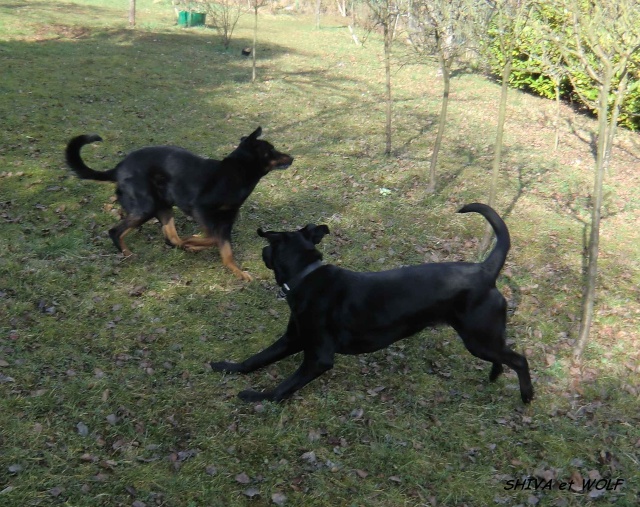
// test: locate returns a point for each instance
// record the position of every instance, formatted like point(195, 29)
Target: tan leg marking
point(125, 251)
point(170, 232)
point(169, 227)
point(197, 243)
point(227, 260)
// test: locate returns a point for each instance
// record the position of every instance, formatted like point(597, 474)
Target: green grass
point(122, 345)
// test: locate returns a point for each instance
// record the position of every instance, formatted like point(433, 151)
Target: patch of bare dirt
point(56, 31)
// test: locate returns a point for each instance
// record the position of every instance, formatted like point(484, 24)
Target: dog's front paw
point(250, 396)
point(243, 275)
point(225, 366)
point(192, 248)
point(527, 394)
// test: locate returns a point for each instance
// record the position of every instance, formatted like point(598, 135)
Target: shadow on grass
point(90, 336)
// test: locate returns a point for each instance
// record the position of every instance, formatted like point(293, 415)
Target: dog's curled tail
point(75, 162)
point(498, 255)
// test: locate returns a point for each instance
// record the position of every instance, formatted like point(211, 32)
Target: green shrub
point(536, 63)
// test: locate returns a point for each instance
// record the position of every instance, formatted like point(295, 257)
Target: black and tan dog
point(150, 181)
point(334, 310)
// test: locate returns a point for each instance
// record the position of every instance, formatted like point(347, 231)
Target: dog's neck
point(291, 284)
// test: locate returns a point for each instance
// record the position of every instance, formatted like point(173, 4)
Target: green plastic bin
point(186, 18)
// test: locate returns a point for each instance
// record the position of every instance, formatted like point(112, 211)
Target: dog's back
point(386, 306)
point(397, 303)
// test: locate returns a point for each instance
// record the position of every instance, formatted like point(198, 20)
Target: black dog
point(334, 310)
point(150, 181)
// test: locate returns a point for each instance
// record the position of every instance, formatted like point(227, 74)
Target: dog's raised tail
point(498, 255)
point(75, 162)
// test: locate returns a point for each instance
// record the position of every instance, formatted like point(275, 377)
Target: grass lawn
point(106, 397)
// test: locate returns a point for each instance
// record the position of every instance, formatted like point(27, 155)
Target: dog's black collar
point(287, 287)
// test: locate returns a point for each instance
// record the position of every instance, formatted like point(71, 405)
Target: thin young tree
point(385, 14)
point(223, 15)
point(255, 4)
point(543, 57)
point(132, 13)
point(598, 42)
point(507, 20)
point(551, 66)
point(351, 12)
point(318, 12)
point(441, 29)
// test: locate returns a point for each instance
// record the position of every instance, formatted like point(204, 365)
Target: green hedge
point(530, 73)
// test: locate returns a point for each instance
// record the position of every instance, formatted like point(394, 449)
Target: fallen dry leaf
point(15, 468)
point(314, 435)
point(251, 492)
point(57, 491)
point(243, 478)
point(357, 413)
point(83, 429)
point(278, 498)
point(576, 479)
point(309, 456)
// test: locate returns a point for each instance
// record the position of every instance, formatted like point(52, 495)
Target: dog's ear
point(267, 256)
point(314, 233)
point(268, 235)
point(253, 136)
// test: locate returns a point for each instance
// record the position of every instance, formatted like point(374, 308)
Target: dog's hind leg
point(139, 205)
point(520, 365)
point(492, 347)
point(169, 227)
point(483, 331)
point(118, 232)
point(513, 360)
point(496, 371)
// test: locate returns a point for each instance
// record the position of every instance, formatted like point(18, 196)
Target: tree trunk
point(318, 5)
point(351, 25)
point(132, 13)
point(596, 203)
point(615, 112)
point(556, 138)
point(354, 36)
point(255, 39)
point(387, 71)
point(497, 155)
point(446, 78)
